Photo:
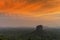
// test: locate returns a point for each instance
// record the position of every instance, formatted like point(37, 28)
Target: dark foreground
point(29, 34)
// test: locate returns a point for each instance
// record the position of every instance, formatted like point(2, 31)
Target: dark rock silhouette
point(39, 27)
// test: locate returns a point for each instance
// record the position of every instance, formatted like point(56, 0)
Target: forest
point(37, 33)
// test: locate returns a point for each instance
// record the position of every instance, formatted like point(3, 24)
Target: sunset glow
point(27, 7)
point(33, 9)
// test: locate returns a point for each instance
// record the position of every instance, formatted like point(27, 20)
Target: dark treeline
point(30, 34)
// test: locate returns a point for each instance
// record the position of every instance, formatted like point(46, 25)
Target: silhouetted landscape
point(38, 33)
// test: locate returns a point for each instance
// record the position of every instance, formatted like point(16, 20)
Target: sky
point(29, 13)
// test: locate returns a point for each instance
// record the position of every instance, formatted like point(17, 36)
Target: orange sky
point(46, 10)
point(29, 7)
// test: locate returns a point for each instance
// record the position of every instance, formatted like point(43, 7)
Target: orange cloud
point(29, 7)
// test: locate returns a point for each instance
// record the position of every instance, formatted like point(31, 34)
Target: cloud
point(29, 6)
point(31, 12)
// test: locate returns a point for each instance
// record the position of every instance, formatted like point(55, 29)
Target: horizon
point(33, 27)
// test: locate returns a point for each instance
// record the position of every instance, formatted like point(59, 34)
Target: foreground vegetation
point(29, 34)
